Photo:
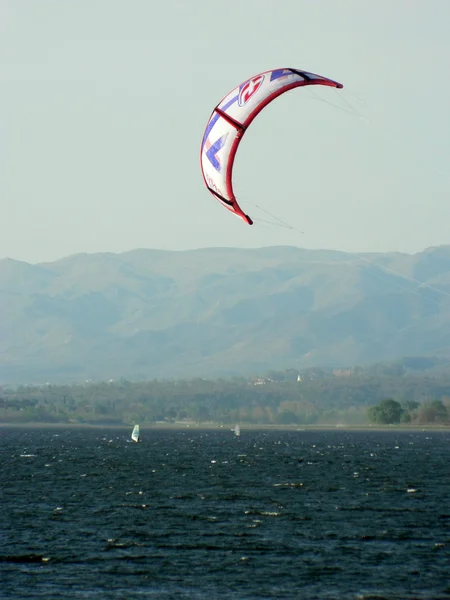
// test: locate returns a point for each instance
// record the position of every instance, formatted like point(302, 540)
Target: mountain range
point(218, 312)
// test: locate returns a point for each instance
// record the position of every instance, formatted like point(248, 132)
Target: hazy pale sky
point(103, 105)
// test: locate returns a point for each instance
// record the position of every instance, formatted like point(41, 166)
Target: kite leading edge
point(230, 119)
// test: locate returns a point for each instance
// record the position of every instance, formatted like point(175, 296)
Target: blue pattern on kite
point(279, 73)
point(216, 117)
point(211, 154)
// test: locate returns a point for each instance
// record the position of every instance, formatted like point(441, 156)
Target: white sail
point(237, 430)
point(135, 433)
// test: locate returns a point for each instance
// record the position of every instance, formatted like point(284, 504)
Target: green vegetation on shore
point(380, 395)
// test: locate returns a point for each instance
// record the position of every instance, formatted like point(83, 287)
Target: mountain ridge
point(149, 313)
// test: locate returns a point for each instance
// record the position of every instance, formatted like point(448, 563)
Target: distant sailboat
point(135, 433)
point(237, 430)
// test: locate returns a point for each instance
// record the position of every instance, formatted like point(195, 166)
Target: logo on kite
point(249, 89)
point(213, 149)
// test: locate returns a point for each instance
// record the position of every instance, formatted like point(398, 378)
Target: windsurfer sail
point(135, 433)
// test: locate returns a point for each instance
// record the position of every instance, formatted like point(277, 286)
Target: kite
point(231, 118)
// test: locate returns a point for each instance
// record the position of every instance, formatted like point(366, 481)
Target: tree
point(287, 417)
point(433, 411)
point(387, 412)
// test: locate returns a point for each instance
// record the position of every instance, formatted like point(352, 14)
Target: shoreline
point(226, 427)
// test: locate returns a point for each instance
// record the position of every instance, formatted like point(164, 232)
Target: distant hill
point(218, 312)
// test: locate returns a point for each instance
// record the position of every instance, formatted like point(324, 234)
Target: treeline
point(312, 397)
point(391, 412)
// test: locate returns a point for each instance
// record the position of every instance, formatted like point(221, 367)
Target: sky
point(103, 104)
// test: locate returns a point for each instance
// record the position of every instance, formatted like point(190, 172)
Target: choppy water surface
point(203, 514)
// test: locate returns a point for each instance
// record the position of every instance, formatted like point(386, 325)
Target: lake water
point(85, 513)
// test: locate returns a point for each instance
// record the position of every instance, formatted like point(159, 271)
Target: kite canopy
point(230, 119)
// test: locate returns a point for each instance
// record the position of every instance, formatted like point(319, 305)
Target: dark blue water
point(197, 514)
